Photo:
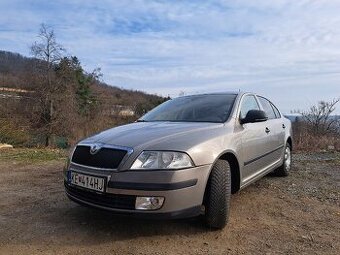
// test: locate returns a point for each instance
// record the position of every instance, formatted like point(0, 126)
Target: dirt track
point(295, 215)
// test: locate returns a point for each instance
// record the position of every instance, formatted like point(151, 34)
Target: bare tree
point(50, 52)
point(47, 47)
point(318, 117)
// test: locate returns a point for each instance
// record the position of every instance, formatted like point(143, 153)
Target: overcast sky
point(288, 50)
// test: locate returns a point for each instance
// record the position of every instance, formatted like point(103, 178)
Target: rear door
point(276, 130)
point(281, 127)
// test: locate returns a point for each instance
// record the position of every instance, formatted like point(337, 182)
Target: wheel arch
point(235, 170)
point(290, 142)
point(231, 157)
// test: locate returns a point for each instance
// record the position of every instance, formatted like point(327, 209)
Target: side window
point(267, 107)
point(248, 103)
point(277, 113)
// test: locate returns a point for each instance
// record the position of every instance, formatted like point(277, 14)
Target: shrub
point(12, 134)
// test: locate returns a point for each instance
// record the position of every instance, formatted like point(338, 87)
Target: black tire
point(217, 195)
point(285, 168)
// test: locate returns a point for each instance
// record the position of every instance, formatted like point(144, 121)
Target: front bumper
point(183, 191)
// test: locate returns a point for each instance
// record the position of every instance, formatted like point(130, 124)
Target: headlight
point(162, 160)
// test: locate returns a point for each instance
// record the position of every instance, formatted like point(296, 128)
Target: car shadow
point(84, 223)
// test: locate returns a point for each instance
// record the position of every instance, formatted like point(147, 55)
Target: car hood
point(155, 134)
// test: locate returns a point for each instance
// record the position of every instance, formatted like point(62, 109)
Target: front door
point(257, 141)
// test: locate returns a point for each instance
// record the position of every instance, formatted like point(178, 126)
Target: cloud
point(285, 49)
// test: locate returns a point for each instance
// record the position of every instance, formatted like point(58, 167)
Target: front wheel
point(217, 195)
point(284, 169)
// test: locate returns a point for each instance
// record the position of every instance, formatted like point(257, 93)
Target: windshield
point(200, 108)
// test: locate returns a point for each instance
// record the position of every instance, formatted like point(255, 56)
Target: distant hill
point(13, 63)
point(299, 117)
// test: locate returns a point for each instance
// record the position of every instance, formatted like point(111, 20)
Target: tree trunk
point(47, 140)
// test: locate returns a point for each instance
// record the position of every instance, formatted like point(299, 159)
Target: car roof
point(219, 93)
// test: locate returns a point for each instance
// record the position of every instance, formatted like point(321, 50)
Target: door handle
point(283, 126)
point(267, 130)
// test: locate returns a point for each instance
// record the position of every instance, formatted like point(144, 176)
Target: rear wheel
point(286, 166)
point(217, 195)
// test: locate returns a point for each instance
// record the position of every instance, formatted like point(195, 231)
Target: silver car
point(182, 159)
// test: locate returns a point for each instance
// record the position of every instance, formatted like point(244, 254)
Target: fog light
point(149, 203)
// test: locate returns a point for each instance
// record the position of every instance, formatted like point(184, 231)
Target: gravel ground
point(299, 214)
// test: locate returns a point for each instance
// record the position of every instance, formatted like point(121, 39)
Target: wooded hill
point(76, 104)
point(15, 69)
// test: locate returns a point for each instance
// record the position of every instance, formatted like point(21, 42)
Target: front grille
point(105, 158)
point(115, 201)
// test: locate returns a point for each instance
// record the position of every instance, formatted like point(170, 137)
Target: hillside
point(73, 105)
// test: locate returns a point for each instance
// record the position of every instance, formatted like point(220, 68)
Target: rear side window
point(267, 107)
point(248, 103)
point(277, 113)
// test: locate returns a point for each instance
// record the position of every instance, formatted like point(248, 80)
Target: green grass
point(32, 155)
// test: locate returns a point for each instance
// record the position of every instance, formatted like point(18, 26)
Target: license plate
point(88, 181)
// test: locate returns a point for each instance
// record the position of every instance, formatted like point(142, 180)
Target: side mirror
point(254, 116)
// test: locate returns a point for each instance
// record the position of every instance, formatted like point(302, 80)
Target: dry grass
point(32, 155)
point(305, 141)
